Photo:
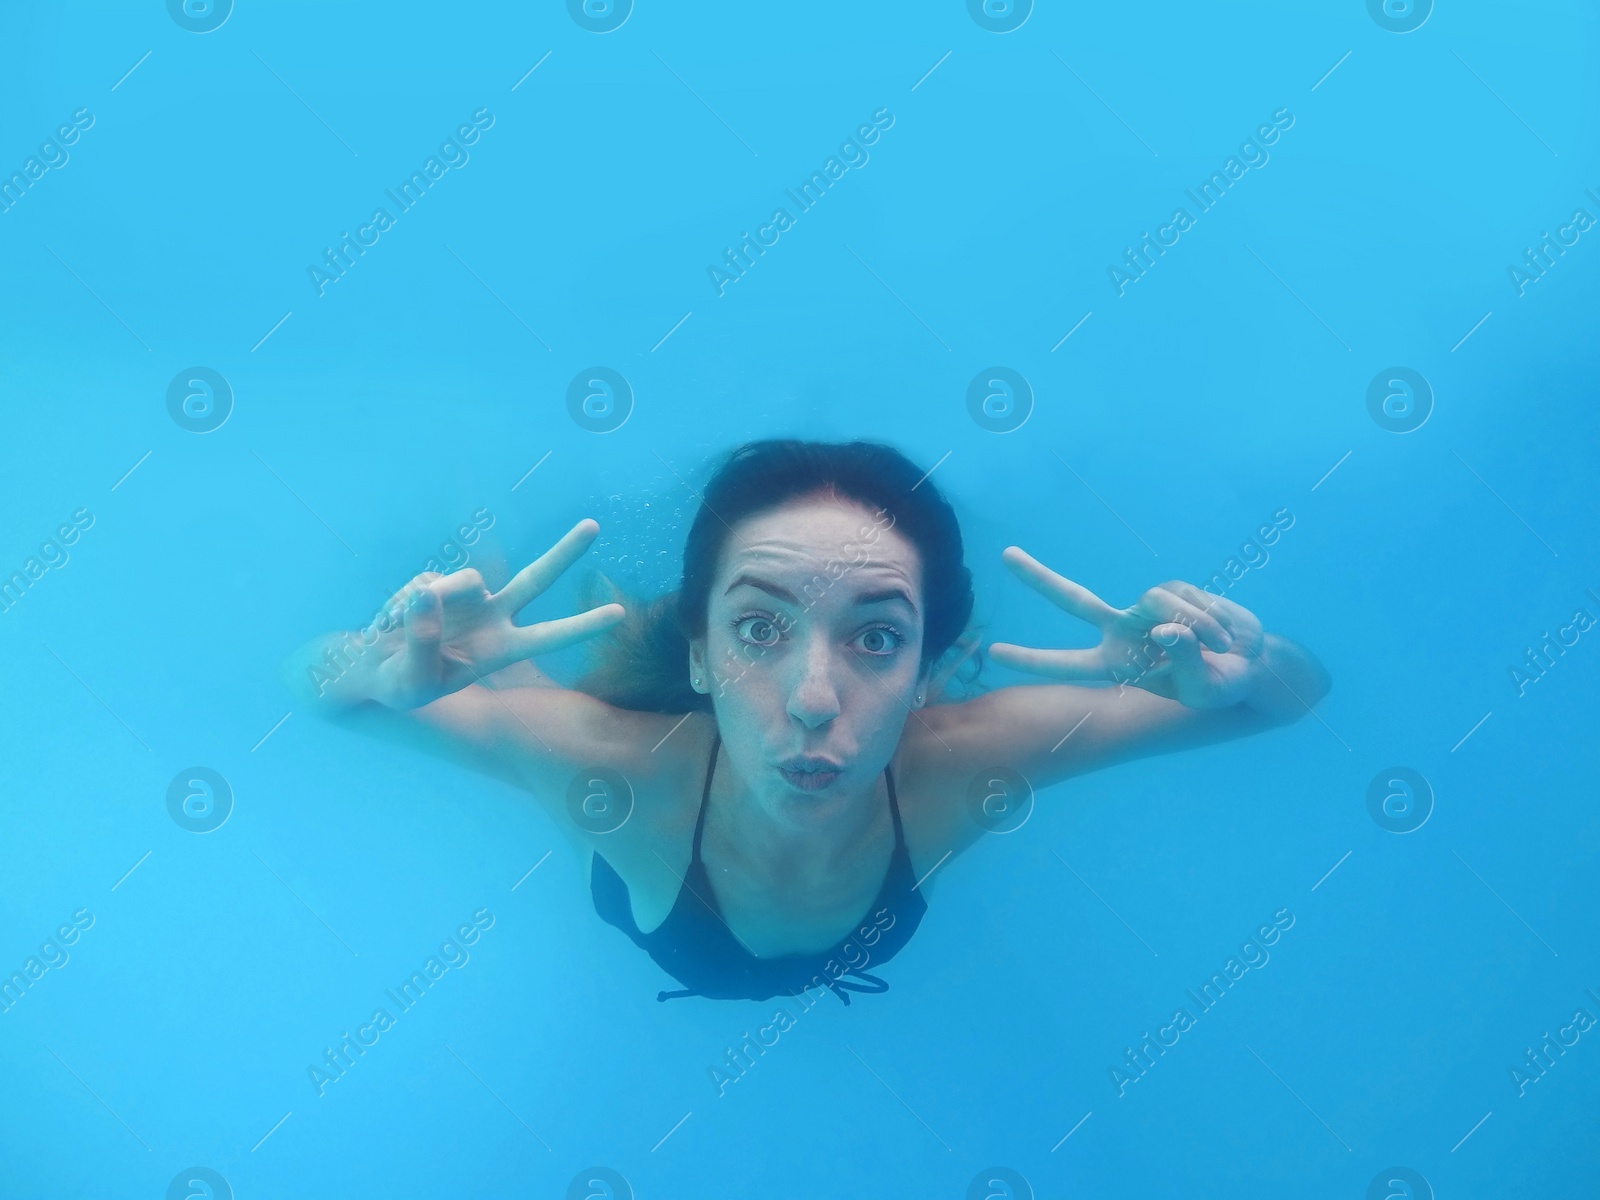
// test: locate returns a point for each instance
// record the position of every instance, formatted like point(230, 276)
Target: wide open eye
point(881, 640)
point(757, 630)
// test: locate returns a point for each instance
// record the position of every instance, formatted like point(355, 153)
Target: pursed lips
point(809, 773)
point(809, 764)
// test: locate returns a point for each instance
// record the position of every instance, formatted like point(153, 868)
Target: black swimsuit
point(697, 948)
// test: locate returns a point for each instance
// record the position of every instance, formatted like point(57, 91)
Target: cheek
point(743, 685)
point(882, 706)
point(734, 655)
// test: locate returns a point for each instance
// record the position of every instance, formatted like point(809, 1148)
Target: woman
point(759, 745)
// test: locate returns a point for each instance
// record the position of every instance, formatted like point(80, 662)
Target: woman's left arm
point(1180, 668)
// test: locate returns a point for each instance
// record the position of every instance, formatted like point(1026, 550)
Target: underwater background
point(1292, 301)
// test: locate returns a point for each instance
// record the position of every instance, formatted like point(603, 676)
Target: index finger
point(533, 579)
point(1054, 664)
point(1058, 589)
point(545, 637)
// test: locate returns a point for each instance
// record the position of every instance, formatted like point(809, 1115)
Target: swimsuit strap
point(843, 986)
point(894, 811)
point(864, 981)
point(700, 820)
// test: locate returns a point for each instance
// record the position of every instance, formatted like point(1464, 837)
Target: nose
point(813, 698)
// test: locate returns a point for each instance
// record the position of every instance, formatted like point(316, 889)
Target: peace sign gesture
point(441, 632)
point(1175, 640)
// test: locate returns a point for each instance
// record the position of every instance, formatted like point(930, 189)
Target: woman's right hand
point(447, 631)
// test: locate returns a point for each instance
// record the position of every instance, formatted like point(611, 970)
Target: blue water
point(185, 187)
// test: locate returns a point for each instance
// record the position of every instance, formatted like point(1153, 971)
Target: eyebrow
point(783, 593)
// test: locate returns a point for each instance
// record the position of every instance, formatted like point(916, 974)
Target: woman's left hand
point(1177, 641)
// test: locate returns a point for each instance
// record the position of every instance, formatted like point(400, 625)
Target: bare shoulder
point(965, 763)
point(637, 809)
point(640, 785)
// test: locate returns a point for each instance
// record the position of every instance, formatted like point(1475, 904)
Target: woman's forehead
point(808, 536)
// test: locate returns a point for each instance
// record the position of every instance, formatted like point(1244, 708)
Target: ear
point(939, 673)
point(924, 692)
point(697, 666)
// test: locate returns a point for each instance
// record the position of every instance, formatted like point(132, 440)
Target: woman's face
point(812, 649)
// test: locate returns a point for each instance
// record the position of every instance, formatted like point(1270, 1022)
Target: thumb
point(1183, 650)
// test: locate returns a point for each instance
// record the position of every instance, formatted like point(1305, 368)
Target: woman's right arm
point(419, 675)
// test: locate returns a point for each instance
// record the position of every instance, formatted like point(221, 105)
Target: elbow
point(1319, 680)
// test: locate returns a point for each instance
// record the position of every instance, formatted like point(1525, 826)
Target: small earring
point(697, 681)
point(919, 697)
